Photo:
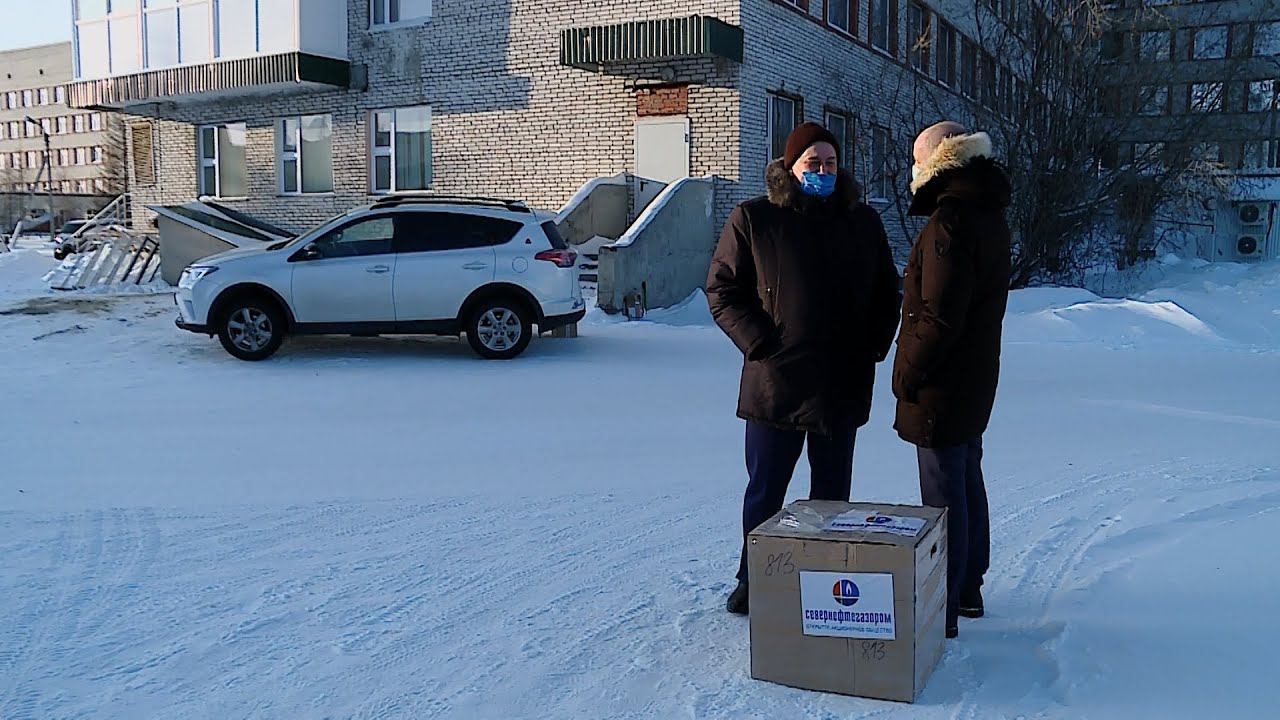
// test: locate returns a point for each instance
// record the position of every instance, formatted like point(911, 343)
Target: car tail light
point(562, 258)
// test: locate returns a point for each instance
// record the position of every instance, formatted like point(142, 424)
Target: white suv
point(422, 265)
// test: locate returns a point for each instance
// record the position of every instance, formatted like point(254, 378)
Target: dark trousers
point(952, 478)
point(772, 455)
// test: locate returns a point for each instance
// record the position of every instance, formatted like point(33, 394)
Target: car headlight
point(195, 274)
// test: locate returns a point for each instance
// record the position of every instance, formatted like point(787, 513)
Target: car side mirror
point(310, 252)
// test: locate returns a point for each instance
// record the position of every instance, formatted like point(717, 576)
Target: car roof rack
point(398, 200)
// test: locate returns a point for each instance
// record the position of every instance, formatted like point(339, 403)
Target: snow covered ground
point(394, 529)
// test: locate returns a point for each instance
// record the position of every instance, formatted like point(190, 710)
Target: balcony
point(133, 52)
point(601, 48)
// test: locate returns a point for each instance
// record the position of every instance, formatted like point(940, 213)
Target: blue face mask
point(818, 184)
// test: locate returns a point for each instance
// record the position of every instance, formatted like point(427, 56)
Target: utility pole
point(46, 171)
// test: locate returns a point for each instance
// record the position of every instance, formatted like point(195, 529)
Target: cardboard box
point(857, 611)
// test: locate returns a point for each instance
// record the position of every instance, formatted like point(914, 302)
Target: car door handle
point(475, 266)
point(379, 269)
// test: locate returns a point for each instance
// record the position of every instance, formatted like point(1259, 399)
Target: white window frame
point(214, 162)
point(389, 151)
point(386, 13)
point(850, 20)
point(284, 155)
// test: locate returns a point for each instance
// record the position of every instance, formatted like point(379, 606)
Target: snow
point(392, 528)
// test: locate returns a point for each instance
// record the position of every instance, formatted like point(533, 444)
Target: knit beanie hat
point(805, 136)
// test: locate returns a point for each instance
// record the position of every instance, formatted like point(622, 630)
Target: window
point(1207, 152)
point(387, 12)
point(437, 231)
point(1263, 95)
point(784, 116)
point(1155, 45)
point(1261, 154)
point(12, 101)
point(46, 125)
point(1209, 43)
point(840, 14)
point(969, 68)
point(64, 157)
point(95, 155)
point(990, 83)
point(841, 125)
point(33, 159)
point(95, 122)
point(80, 156)
point(78, 123)
point(195, 32)
point(1206, 97)
point(161, 31)
point(1154, 100)
point(306, 154)
point(15, 161)
point(42, 96)
point(884, 31)
point(222, 165)
point(878, 188)
point(946, 54)
point(15, 129)
point(918, 36)
point(360, 238)
point(1266, 39)
point(27, 98)
point(1113, 46)
point(59, 95)
point(4, 161)
point(401, 150)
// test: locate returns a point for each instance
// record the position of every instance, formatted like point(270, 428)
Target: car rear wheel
point(251, 328)
point(499, 329)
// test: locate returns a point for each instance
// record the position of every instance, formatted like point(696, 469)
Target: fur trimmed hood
point(961, 169)
point(785, 192)
point(952, 153)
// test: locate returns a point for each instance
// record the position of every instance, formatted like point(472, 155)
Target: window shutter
point(144, 165)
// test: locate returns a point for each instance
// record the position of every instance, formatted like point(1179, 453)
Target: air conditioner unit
point(1249, 245)
point(1251, 213)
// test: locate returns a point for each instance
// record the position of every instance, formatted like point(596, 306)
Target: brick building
point(297, 111)
point(1204, 77)
point(32, 87)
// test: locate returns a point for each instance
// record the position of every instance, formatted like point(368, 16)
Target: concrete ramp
point(664, 255)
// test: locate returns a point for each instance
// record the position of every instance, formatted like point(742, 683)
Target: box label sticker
point(874, 522)
point(848, 605)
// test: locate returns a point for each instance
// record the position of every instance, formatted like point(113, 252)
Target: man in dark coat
point(956, 286)
point(804, 284)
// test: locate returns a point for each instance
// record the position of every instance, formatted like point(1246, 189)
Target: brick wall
point(509, 120)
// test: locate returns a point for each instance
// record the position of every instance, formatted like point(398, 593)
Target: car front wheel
point(499, 329)
point(251, 329)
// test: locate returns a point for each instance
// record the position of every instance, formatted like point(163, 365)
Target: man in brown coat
point(804, 284)
point(945, 373)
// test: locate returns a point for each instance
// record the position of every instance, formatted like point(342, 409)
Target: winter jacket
point(956, 287)
point(807, 289)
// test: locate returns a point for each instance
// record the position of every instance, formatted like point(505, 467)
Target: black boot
point(971, 603)
point(737, 603)
point(953, 629)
